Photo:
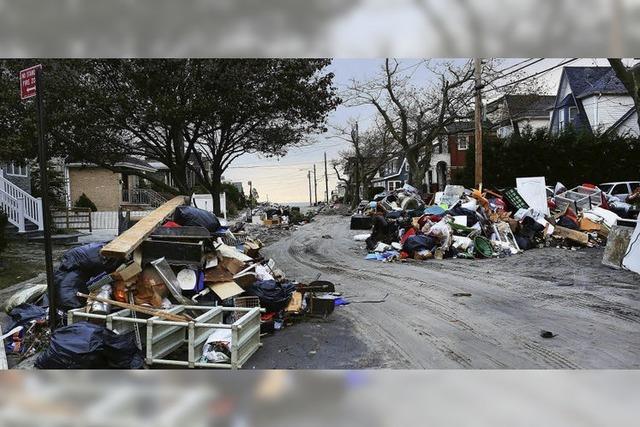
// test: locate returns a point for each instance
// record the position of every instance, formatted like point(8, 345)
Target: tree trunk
point(412, 160)
point(216, 189)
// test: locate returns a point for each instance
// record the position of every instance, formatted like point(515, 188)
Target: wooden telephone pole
point(315, 184)
point(310, 198)
point(478, 121)
point(326, 179)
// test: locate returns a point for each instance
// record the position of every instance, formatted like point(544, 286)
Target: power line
point(533, 75)
point(519, 69)
point(517, 64)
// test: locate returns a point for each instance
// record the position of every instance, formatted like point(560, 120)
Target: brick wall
point(100, 185)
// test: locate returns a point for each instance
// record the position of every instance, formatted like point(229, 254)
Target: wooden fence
point(72, 218)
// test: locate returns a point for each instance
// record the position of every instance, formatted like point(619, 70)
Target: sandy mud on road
point(593, 310)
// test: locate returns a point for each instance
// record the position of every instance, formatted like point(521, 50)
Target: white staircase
point(19, 206)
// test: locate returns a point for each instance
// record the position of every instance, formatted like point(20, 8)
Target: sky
point(284, 180)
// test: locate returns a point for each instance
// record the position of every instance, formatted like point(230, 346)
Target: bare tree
point(413, 116)
point(369, 151)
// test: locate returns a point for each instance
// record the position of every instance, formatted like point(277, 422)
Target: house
point(23, 211)
point(512, 114)
point(109, 190)
point(593, 99)
point(449, 153)
point(392, 175)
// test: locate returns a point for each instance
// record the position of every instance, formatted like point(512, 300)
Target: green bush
point(572, 158)
point(85, 202)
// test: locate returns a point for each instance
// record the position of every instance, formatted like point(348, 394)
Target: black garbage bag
point(529, 227)
point(382, 231)
point(190, 216)
point(86, 345)
point(77, 266)
point(68, 284)
point(87, 259)
point(77, 346)
point(419, 242)
point(121, 351)
point(24, 313)
point(458, 210)
point(273, 296)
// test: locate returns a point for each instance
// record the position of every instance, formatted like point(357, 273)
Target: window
point(394, 185)
point(620, 189)
point(463, 142)
point(573, 112)
point(16, 170)
point(605, 187)
point(634, 185)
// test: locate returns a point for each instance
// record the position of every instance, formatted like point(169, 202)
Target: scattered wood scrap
point(573, 235)
point(123, 245)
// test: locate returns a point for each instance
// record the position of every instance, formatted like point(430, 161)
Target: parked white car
point(620, 190)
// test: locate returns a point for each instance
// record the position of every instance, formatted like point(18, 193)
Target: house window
point(16, 170)
point(573, 112)
point(463, 142)
point(394, 185)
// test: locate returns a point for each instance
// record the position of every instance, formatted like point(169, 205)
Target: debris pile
point(176, 288)
point(474, 223)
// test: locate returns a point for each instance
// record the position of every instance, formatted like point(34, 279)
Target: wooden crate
point(162, 337)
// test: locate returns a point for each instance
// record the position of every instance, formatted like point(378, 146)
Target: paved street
point(594, 310)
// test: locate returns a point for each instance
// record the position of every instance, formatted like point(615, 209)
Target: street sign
point(28, 82)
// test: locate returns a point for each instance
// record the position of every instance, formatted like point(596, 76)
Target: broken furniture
point(175, 253)
point(165, 339)
point(579, 198)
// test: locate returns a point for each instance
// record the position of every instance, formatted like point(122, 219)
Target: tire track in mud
point(421, 317)
point(298, 250)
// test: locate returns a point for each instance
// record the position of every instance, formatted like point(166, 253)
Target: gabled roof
point(457, 127)
point(128, 162)
point(531, 105)
point(621, 120)
point(585, 81)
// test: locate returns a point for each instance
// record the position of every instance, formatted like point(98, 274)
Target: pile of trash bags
point(470, 223)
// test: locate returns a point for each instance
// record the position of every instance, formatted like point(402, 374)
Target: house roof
point(128, 162)
point(621, 120)
point(530, 105)
point(457, 127)
point(585, 81)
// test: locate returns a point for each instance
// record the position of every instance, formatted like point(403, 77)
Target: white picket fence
point(108, 220)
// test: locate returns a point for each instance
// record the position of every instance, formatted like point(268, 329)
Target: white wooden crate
point(165, 337)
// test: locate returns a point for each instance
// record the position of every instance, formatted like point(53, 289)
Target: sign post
point(32, 84)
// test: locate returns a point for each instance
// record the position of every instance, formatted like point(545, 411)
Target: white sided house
point(593, 99)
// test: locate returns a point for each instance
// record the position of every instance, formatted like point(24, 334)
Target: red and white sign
point(28, 82)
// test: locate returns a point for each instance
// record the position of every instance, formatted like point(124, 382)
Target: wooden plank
point(573, 235)
point(123, 245)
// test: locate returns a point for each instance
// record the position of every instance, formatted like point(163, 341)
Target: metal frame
point(164, 337)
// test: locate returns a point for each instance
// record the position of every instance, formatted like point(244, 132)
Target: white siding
point(629, 126)
point(534, 123)
point(605, 110)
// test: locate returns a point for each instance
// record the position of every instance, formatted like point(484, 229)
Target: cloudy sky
point(285, 179)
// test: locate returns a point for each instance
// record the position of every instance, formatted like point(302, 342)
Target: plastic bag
point(273, 296)
point(85, 345)
point(190, 216)
point(87, 259)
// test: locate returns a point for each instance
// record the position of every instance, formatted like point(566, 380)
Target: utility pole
point(478, 120)
point(315, 183)
point(250, 194)
point(310, 197)
point(326, 179)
